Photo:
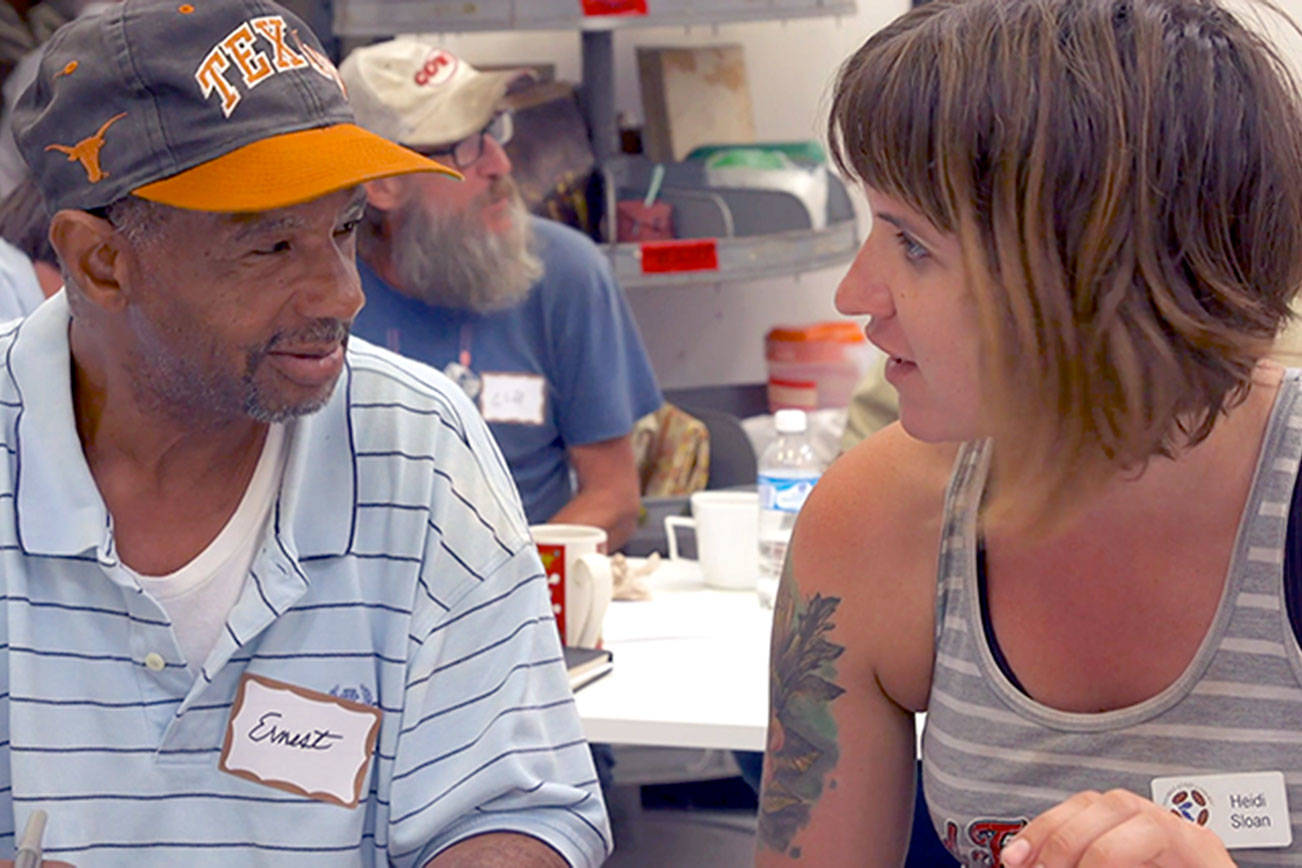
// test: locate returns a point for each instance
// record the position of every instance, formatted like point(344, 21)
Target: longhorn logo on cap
point(87, 151)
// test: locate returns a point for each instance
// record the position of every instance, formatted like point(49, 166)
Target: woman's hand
point(1117, 829)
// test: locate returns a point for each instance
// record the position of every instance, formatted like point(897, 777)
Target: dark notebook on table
point(586, 665)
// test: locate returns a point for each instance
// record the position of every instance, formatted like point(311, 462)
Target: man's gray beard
point(452, 260)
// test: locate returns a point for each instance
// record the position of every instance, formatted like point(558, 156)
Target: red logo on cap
point(86, 151)
point(436, 69)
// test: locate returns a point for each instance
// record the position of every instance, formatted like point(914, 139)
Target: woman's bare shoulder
point(893, 456)
point(869, 536)
point(883, 493)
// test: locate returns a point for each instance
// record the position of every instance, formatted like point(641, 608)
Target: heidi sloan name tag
point(1247, 810)
point(299, 740)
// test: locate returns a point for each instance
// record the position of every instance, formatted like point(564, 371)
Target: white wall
point(1289, 41)
point(707, 334)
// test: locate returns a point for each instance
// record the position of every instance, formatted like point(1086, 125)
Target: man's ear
point(385, 194)
point(92, 252)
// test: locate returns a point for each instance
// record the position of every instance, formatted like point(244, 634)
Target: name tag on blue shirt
point(517, 398)
point(299, 740)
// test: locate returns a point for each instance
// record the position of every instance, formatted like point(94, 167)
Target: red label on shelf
point(693, 254)
point(614, 7)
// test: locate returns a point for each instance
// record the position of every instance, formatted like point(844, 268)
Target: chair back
point(732, 458)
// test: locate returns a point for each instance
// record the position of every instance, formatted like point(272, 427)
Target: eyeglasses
point(465, 153)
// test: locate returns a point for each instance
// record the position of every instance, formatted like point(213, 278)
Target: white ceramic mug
point(578, 576)
point(727, 537)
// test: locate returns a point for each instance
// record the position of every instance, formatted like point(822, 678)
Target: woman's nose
point(864, 291)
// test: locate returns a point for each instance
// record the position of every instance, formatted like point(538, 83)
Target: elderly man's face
point(484, 196)
point(244, 314)
point(449, 259)
point(465, 244)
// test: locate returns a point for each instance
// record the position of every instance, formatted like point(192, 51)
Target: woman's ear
point(91, 251)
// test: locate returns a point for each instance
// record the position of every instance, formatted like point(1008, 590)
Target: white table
point(691, 667)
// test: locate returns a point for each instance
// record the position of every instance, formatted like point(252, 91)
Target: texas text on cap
point(213, 105)
point(418, 94)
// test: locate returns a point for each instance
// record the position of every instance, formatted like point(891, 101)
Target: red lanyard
point(464, 356)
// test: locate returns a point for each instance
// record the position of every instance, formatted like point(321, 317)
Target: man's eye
point(278, 247)
point(349, 228)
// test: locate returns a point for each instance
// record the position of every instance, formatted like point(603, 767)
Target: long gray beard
point(450, 260)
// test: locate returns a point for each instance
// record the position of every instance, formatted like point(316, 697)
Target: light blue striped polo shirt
point(396, 569)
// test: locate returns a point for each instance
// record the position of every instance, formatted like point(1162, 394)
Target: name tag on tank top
point(1247, 810)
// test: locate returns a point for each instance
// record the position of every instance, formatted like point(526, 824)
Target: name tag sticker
point(299, 740)
point(1247, 810)
point(518, 398)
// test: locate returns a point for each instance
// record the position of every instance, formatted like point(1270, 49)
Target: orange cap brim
point(288, 169)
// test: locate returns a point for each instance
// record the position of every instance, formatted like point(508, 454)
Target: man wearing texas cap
point(267, 596)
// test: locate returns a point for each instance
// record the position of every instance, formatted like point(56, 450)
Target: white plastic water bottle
point(788, 470)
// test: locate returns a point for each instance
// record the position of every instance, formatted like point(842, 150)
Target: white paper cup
point(727, 537)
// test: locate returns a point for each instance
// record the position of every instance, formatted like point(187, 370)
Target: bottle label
point(785, 493)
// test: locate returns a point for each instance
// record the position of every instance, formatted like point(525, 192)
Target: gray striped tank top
point(993, 758)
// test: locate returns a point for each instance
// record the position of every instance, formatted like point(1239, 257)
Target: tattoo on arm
point(802, 739)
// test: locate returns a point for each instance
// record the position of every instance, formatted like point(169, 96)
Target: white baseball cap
point(420, 95)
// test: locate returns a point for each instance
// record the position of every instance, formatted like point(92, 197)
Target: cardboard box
point(693, 96)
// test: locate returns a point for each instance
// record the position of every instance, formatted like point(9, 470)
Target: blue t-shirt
point(574, 330)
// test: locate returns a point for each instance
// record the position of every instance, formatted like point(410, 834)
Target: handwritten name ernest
point(266, 729)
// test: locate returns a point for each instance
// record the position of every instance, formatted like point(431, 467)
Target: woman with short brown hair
point(1072, 552)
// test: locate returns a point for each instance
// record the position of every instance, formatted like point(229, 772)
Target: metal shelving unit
point(748, 257)
point(387, 17)
point(739, 258)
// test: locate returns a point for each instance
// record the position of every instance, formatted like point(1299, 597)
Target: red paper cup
point(559, 546)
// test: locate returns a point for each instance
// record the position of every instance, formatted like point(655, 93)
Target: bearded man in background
point(523, 313)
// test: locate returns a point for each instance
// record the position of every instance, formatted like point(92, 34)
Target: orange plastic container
point(816, 365)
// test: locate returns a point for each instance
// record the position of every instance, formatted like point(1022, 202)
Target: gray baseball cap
point(212, 105)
